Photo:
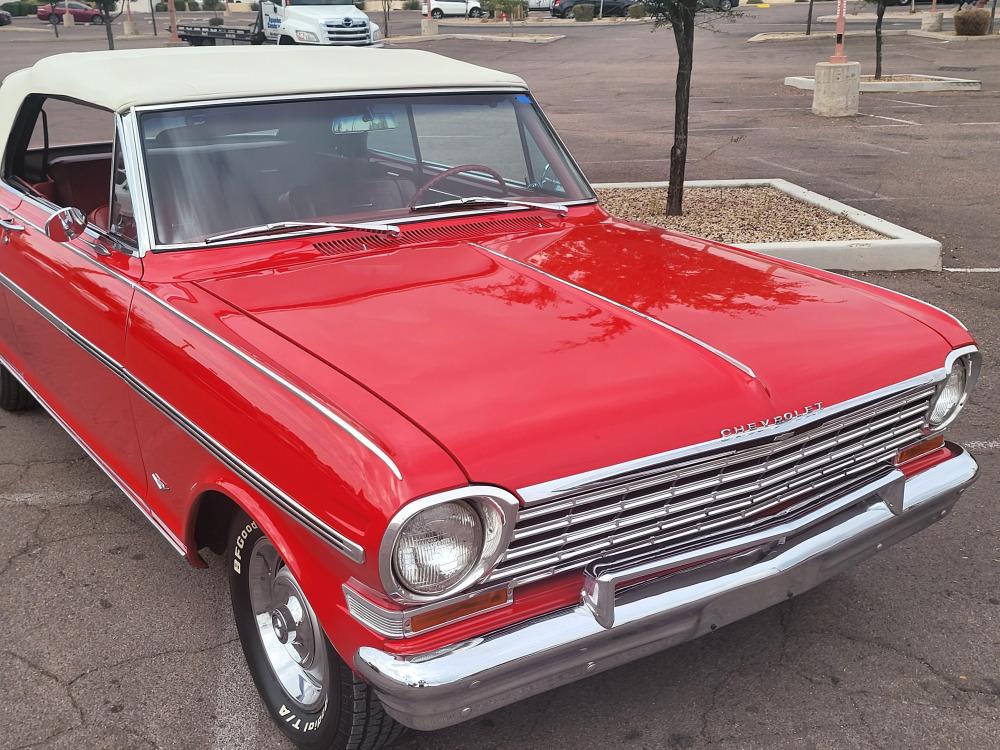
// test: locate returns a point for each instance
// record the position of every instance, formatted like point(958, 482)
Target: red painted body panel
point(460, 365)
point(525, 379)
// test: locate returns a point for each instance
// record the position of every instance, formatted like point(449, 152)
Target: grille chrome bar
point(699, 498)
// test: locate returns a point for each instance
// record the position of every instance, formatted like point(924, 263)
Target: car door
point(273, 13)
point(69, 301)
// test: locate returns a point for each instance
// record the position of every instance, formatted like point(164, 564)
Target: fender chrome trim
point(334, 538)
point(744, 368)
point(326, 411)
point(137, 501)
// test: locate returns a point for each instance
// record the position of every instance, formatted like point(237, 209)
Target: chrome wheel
point(288, 629)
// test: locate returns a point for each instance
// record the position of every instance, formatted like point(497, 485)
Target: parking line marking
point(890, 119)
point(914, 104)
point(973, 270)
point(779, 165)
point(887, 148)
point(979, 123)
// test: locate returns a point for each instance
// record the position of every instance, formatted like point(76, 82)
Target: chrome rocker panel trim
point(459, 682)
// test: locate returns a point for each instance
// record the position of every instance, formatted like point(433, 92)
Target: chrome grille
point(355, 34)
point(699, 499)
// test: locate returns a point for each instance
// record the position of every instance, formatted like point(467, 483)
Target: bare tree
point(107, 8)
point(386, 8)
point(679, 15)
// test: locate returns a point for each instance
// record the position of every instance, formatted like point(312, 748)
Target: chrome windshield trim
point(351, 549)
point(360, 93)
point(552, 489)
point(745, 369)
point(400, 220)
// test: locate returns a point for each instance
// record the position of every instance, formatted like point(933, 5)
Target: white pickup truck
point(330, 22)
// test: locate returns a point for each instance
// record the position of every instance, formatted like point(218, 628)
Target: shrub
point(215, 21)
point(211, 5)
point(160, 8)
point(193, 5)
point(180, 5)
point(637, 10)
point(411, 5)
point(755, 2)
point(20, 9)
point(583, 12)
point(972, 22)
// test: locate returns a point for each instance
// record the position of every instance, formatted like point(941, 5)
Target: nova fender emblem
point(780, 419)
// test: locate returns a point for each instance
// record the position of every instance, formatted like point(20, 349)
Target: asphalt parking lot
point(111, 641)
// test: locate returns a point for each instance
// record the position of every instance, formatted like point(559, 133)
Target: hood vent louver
point(365, 242)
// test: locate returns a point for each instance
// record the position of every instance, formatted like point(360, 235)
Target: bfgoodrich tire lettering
point(13, 395)
point(346, 714)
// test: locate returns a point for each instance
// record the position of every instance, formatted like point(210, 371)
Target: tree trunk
point(107, 28)
point(683, 28)
point(386, 8)
point(809, 19)
point(879, 15)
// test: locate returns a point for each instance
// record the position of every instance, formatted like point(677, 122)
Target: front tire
point(437, 14)
point(97, 20)
point(725, 5)
point(475, 13)
point(13, 395)
point(318, 702)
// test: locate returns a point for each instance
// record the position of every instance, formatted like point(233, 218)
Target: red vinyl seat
point(100, 217)
point(81, 181)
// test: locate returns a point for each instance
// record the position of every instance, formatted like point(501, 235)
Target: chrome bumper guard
point(617, 623)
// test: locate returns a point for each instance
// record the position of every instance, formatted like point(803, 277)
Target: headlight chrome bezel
point(970, 360)
point(487, 502)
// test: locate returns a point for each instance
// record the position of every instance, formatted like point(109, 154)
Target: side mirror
point(65, 224)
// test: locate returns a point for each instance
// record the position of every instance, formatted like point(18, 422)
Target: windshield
point(222, 168)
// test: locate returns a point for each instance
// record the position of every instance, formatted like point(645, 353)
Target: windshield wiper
point(281, 226)
point(477, 200)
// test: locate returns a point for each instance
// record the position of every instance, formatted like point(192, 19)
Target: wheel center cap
point(280, 619)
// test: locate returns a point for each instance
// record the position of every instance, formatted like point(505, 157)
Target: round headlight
point(950, 397)
point(438, 547)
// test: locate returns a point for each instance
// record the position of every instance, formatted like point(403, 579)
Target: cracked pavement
point(110, 641)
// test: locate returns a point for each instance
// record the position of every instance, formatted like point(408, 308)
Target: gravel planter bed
point(735, 214)
point(776, 217)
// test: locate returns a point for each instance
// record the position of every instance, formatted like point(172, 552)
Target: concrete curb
point(800, 36)
point(904, 250)
point(928, 84)
point(553, 23)
point(522, 38)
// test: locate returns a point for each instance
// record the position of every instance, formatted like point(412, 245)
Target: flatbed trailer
point(199, 35)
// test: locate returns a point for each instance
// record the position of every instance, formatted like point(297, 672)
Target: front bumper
point(456, 683)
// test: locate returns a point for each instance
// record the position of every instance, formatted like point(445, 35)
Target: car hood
point(539, 356)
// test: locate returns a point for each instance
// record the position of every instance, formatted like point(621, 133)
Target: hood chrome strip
point(745, 369)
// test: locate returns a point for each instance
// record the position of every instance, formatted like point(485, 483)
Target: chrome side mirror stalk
point(65, 224)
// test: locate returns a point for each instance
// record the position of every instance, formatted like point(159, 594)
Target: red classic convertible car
point(460, 435)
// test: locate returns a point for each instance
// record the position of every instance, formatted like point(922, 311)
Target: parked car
point(458, 435)
point(442, 8)
point(80, 11)
point(722, 5)
point(564, 8)
point(545, 5)
point(5, 18)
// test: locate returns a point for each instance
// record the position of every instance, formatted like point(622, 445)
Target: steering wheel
point(450, 172)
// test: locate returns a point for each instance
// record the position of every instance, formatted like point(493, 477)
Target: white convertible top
point(126, 78)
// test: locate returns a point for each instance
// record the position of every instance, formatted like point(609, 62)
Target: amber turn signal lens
point(910, 452)
point(459, 610)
